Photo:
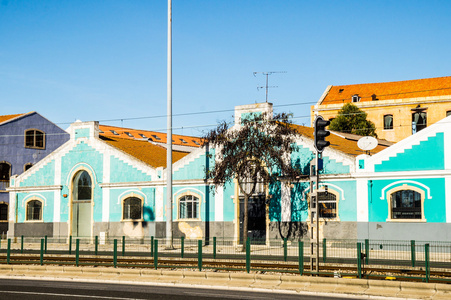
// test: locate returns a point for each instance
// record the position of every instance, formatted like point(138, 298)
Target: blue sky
point(106, 60)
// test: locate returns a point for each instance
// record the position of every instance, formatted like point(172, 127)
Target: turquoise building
point(107, 185)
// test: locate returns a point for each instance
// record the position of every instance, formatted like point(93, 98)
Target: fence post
point(96, 249)
point(324, 250)
point(8, 252)
point(41, 260)
point(21, 244)
point(359, 260)
point(301, 257)
point(214, 247)
point(199, 254)
point(248, 255)
point(284, 250)
point(412, 252)
point(367, 251)
point(151, 246)
point(123, 245)
point(115, 253)
point(77, 252)
point(182, 246)
point(45, 244)
point(426, 261)
point(70, 244)
point(155, 254)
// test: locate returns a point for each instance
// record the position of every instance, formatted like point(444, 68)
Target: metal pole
point(169, 135)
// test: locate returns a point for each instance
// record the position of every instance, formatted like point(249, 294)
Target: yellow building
point(398, 108)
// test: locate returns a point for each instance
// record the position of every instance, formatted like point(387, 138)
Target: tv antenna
point(267, 86)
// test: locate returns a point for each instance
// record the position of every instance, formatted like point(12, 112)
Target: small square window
point(156, 137)
point(129, 134)
point(114, 132)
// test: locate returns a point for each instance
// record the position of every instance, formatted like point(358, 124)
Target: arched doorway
point(81, 205)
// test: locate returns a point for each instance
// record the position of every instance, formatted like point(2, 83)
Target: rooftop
point(340, 94)
point(157, 137)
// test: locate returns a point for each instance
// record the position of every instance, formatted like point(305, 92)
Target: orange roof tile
point(158, 137)
point(9, 117)
point(348, 146)
point(340, 94)
point(148, 153)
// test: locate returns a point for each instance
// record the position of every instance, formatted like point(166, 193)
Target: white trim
point(56, 206)
point(362, 199)
point(322, 184)
point(159, 200)
point(219, 204)
point(46, 188)
point(130, 193)
point(40, 198)
point(448, 198)
point(285, 202)
point(105, 205)
point(189, 189)
point(80, 167)
point(406, 182)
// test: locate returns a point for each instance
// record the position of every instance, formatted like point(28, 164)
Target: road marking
point(68, 295)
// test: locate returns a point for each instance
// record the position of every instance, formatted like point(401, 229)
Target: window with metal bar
point(189, 207)
point(132, 209)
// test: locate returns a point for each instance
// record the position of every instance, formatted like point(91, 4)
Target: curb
point(232, 280)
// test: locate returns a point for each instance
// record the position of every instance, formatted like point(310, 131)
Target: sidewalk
point(344, 287)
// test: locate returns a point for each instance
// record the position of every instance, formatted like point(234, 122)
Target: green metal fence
point(350, 257)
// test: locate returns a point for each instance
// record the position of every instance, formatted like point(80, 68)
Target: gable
point(125, 172)
point(194, 165)
point(427, 155)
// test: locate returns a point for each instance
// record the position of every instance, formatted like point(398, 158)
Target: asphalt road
point(12, 289)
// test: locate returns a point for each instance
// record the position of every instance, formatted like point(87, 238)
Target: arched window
point(327, 203)
point(388, 122)
point(27, 166)
point(132, 209)
point(406, 204)
point(3, 211)
point(34, 138)
point(34, 210)
point(82, 186)
point(189, 207)
point(5, 174)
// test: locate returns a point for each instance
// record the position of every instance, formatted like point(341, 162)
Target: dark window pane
point(132, 209)
point(406, 204)
point(39, 139)
point(29, 138)
point(5, 171)
point(34, 210)
point(3, 212)
point(84, 186)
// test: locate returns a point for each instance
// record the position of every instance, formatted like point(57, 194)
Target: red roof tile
point(340, 94)
point(148, 153)
point(158, 137)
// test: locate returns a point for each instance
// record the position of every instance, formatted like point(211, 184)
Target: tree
point(351, 119)
point(255, 151)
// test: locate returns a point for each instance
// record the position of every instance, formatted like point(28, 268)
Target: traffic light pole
point(314, 213)
point(320, 134)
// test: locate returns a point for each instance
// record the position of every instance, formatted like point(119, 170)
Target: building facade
point(25, 140)
point(97, 184)
point(398, 109)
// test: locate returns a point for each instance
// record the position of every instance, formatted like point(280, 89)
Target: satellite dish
point(367, 143)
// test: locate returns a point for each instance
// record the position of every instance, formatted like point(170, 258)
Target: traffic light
point(321, 133)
